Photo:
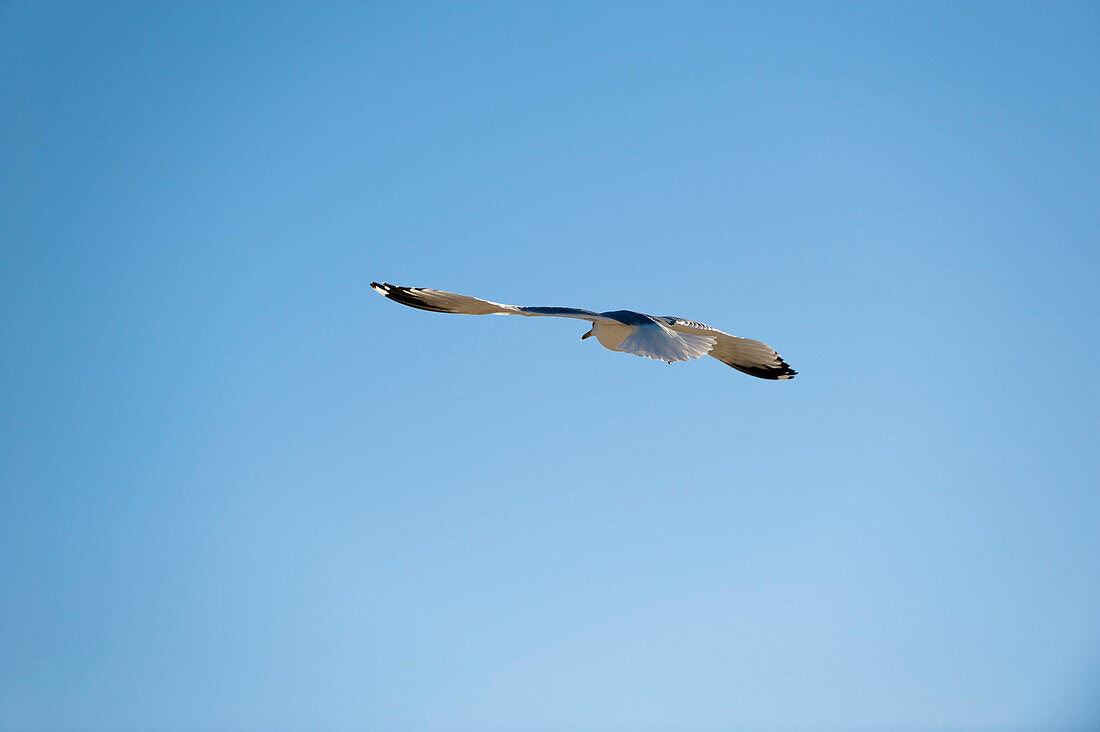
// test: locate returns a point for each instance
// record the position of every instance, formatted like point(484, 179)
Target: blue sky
point(240, 490)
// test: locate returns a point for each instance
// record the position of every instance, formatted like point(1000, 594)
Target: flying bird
point(660, 337)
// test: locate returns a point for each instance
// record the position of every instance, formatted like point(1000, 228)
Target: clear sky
point(241, 491)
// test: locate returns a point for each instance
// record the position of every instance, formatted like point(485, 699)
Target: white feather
point(654, 340)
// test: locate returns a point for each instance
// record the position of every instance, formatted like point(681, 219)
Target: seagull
point(660, 337)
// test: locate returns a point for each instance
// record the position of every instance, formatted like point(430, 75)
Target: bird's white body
point(625, 331)
point(610, 335)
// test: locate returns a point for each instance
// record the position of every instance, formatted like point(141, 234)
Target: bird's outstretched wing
point(744, 354)
point(439, 301)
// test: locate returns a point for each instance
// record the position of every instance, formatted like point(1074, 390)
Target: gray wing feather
point(564, 313)
point(438, 301)
point(744, 354)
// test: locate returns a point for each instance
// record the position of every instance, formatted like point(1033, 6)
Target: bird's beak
point(586, 335)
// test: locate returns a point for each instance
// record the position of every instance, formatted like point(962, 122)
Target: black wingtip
point(782, 372)
point(786, 374)
point(405, 296)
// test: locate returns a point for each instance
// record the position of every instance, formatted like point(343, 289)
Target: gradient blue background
point(241, 491)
